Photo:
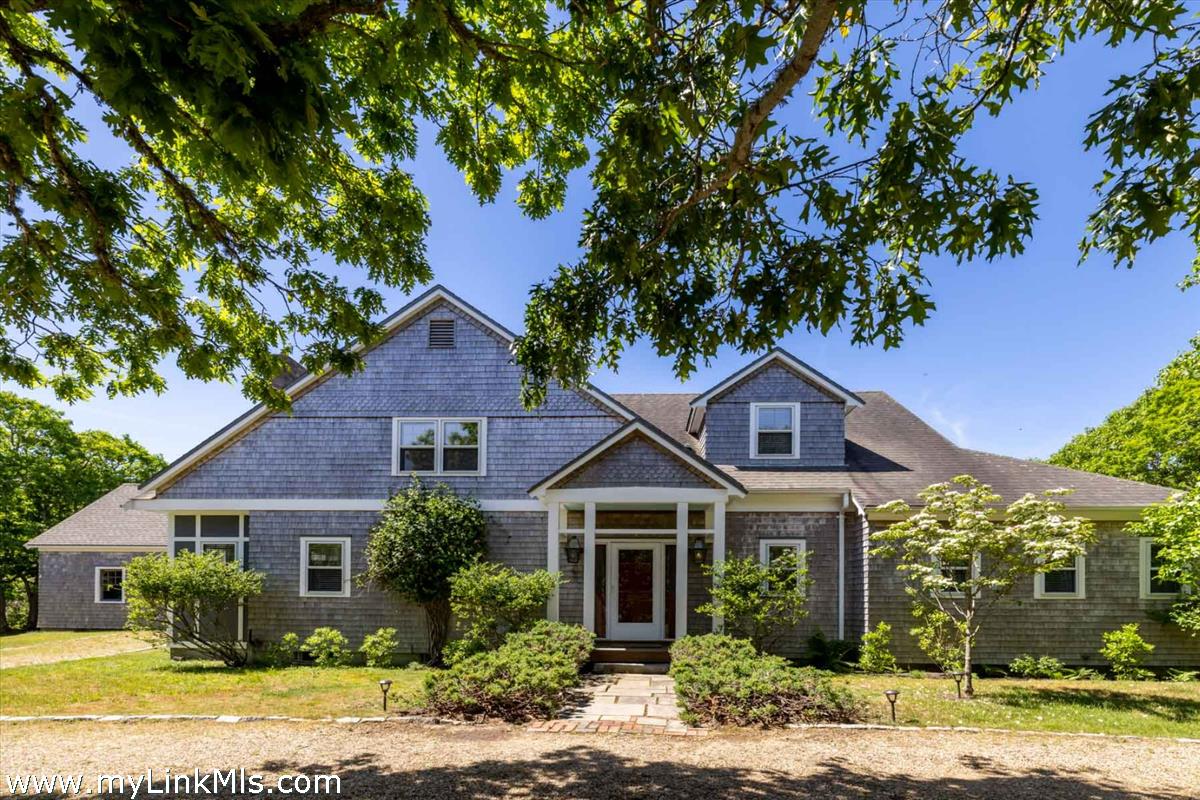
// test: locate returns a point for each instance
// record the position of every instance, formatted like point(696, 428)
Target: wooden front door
point(635, 590)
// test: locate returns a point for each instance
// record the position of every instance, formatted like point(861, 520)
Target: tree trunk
point(968, 647)
point(4, 609)
point(437, 618)
point(31, 597)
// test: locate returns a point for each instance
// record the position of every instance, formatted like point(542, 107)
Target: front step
point(650, 652)
point(631, 668)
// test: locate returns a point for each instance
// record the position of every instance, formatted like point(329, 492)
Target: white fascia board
point(791, 362)
point(96, 548)
point(398, 320)
point(636, 494)
point(621, 435)
point(185, 505)
point(786, 501)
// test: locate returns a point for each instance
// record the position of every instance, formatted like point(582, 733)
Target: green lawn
point(1149, 708)
point(19, 641)
point(149, 683)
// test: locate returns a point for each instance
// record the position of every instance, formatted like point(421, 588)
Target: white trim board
point(234, 504)
point(791, 362)
point(541, 488)
point(345, 567)
point(98, 548)
point(390, 325)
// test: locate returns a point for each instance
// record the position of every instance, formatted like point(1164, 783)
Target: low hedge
point(721, 680)
point(526, 678)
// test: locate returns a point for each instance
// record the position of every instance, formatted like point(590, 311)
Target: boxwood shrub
point(721, 680)
point(528, 677)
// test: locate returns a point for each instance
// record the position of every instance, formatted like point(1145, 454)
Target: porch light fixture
point(384, 686)
point(574, 549)
point(699, 549)
point(891, 695)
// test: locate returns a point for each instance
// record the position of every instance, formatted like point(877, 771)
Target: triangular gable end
point(638, 455)
point(410, 313)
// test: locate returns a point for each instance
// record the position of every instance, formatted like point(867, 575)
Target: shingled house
point(627, 496)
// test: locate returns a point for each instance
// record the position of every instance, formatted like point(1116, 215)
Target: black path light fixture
point(385, 686)
point(891, 695)
point(958, 676)
point(574, 548)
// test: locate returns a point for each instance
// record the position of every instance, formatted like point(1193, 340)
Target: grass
point(37, 647)
point(149, 682)
point(1151, 708)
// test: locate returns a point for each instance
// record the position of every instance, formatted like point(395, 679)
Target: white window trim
point(1144, 593)
point(438, 423)
point(344, 541)
point(795, 452)
point(975, 566)
point(1080, 593)
point(801, 545)
point(97, 586)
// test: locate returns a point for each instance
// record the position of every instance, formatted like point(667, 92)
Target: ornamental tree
point(961, 553)
point(180, 599)
point(754, 167)
point(423, 538)
point(759, 601)
point(1175, 525)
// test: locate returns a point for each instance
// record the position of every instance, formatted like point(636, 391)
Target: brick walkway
point(623, 704)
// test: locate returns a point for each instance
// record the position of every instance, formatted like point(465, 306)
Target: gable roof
point(891, 453)
point(105, 524)
point(781, 356)
point(641, 427)
point(395, 322)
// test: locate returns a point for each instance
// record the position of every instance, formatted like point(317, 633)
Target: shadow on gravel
point(587, 773)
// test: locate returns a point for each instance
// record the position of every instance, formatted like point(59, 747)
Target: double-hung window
point(1064, 583)
point(770, 550)
point(325, 566)
point(110, 584)
point(958, 573)
point(439, 446)
point(774, 430)
point(1150, 562)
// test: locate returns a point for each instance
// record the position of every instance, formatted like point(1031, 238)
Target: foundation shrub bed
point(721, 680)
point(527, 677)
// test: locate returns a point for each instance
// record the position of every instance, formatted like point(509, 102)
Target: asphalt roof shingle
point(105, 523)
point(891, 453)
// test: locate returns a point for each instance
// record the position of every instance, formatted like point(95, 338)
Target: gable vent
point(441, 333)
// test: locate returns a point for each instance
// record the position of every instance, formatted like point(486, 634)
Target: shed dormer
point(778, 412)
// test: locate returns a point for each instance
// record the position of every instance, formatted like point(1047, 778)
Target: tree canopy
point(1156, 438)
point(48, 471)
point(243, 139)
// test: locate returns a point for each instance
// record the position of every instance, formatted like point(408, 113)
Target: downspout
point(841, 544)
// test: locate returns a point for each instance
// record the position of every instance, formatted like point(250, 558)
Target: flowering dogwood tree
point(962, 552)
point(1175, 526)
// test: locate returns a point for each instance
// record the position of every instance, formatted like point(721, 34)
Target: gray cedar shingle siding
point(1069, 630)
point(338, 440)
point(745, 530)
point(821, 426)
point(635, 461)
point(67, 591)
point(515, 538)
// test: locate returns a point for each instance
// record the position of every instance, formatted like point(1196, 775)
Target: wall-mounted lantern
point(574, 549)
point(700, 549)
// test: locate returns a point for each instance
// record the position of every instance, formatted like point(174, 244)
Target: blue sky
point(1020, 355)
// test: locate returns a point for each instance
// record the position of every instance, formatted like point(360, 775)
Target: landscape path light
point(385, 685)
point(891, 695)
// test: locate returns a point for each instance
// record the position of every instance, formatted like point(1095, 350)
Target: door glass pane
point(635, 586)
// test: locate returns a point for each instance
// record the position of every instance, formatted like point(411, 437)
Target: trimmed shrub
point(284, 653)
point(379, 648)
point(1029, 666)
point(328, 648)
point(875, 655)
point(491, 600)
point(1125, 650)
point(835, 655)
point(1082, 674)
point(526, 678)
point(725, 681)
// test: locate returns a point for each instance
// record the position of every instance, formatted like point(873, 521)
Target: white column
point(589, 566)
point(841, 544)
point(718, 555)
point(681, 569)
point(552, 523)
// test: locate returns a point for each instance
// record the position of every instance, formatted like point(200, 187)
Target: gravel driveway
point(498, 761)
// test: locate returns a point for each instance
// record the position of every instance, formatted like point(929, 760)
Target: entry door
point(635, 581)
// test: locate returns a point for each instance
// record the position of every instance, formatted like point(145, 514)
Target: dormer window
point(774, 430)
